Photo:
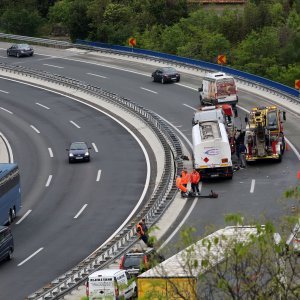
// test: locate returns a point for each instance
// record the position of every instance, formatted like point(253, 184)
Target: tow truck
point(264, 137)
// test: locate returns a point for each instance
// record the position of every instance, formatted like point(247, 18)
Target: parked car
point(166, 74)
point(78, 151)
point(137, 261)
point(6, 243)
point(19, 50)
point(110, 284)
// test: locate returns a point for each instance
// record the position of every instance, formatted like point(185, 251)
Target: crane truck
point(264, 137)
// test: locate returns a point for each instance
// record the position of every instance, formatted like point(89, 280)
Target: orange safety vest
point(195, 177)
point(139, 230)
point(184, 177)
point(179, 185)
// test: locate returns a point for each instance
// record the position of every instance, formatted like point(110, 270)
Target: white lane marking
point(8, 111)
point(53, 66)
point(35, 129)
point(25, 215)
point(50, 152)
point(193, 108)
point(96, 75)
point(5, 92)
point(95, 147)
point(81, 210)
point(182, 222)
point(48, 181)
point(42, 105)
point(3, 56)
point(98, 175)
point(10, 153)
point(252, 185)
point(148, 90)
point(31, 256)
point(72, 122)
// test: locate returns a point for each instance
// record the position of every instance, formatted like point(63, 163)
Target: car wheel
point(163, 81)
point(10, 217)
point(8, 53)
point(201, 101)
point(70, 161)
point(153, 79)
point(18, 55)
point(178, 79)
point(13, 213)
point(9, 255)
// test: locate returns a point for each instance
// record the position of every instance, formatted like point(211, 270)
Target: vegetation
point(262, 38)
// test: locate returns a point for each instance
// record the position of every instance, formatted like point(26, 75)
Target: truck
point(211, 150)
point(218, 88)
point(264, 136)
point(221, 113)
point(179, 277)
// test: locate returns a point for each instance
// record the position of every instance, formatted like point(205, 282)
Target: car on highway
point(166, 74)
point(138, 261)
point(19, 50)
point(78, 151)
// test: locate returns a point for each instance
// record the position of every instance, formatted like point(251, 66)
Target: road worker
point(185, 177)
point(195, 179)
point(141, 234)
point(180, 186)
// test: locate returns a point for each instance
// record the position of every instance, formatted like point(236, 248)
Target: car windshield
point(24, 46)
point(133, 261)
point(169, 70)
point(78, 146)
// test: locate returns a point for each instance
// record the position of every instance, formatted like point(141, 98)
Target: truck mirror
point(246, 119)
point(284, 116)
point(200, 89)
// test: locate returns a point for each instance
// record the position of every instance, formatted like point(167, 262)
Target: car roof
point(106, 273)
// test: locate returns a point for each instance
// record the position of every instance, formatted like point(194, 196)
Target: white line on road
point(35, 129)
point(74, 124)
point(48, 181)
point(5, 92)
point(98, 175)
point(81, 210)
point(27, 213)
point(96, 75)
point(193, 108)
point(42, 105)
point(148, 90)
point(32, 255)
point(53, 66)
point(95, 147)
point(6, 110)
point(3, 56)
point(252, 185)
point(50, 152)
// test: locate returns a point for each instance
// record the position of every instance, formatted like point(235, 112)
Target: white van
point(110, 284)
point(218, 88)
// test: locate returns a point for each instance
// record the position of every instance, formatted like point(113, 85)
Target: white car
point(110, 284)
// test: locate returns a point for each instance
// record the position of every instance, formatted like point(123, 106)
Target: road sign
point(132, 42)
point(297, 84)
point(221, 59)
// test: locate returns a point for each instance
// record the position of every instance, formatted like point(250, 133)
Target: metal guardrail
point(153, 209)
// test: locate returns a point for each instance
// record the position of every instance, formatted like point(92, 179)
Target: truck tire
point(201, 101)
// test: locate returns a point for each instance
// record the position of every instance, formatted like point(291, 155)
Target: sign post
point(132, 42)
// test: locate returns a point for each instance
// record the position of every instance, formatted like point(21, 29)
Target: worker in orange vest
point(195, 179)
point(185, 178)
point(141, 234)
point(179, 185)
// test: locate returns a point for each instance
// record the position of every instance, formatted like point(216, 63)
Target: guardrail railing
point(154, 207)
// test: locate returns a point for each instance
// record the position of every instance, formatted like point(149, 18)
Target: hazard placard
point(221, 59)
point(132, 42)
point(297, 84)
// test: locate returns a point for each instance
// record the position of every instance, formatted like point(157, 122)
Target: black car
point(166, 74)
point(19, 50)
point(137, 261)
point(78, 151)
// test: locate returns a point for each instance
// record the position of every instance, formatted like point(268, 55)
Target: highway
point(254, 192)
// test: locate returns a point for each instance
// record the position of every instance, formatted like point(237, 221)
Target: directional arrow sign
point(297, 84)
point(221, 59)
point(132, 42)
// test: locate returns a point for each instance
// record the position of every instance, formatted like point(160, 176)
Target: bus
point(10, 192)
